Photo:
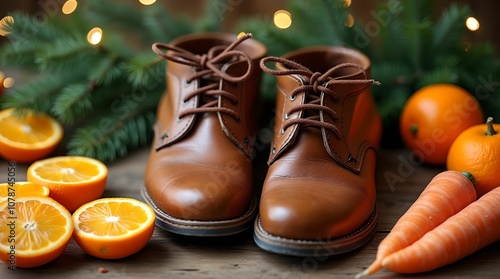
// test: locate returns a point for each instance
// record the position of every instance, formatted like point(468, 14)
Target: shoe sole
point(201, 228)
point(312, 248)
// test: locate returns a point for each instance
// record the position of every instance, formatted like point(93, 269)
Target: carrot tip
point(361, 274)
point(374, 267)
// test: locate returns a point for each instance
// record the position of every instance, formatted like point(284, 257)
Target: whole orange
point(477, 150)
point(434, 116)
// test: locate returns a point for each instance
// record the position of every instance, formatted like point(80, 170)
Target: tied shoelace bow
point(208, 68)
point(313, 85)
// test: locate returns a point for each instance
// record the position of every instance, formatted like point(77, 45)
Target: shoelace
point(208, 68)
point(313, 86)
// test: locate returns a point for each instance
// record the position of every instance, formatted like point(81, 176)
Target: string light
point(69, 7)
point(3, 23)
point(8, 82)
point(147, 2)
point(349, 21)
point(241, 34)
point(472, 23)
point(282, 19)
point(94, 36)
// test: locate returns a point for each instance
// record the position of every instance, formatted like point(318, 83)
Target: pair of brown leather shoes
point(318, 197)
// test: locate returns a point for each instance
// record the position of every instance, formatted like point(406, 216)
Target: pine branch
point(113, 13)
point(450, 28)
point(390, 110)
point(161, 26)
point(417, 28)
point(26, 29)
point(439, 75)
point(37, 95)
point(73, 103)
point(19, 53)
point(215, 14)
point(106, 70)
point(390, 49)
point(314, 24)
point(336, 21)
point(144, 68)
point(478, 55)
point(392, 73)
point(65, 54)
point(116, 139)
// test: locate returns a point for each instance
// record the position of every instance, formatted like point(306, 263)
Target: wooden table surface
point(172, 256)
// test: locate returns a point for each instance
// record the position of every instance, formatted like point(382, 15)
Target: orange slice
point(22, 189)
point(28, 138)
point(72, 180)
point(1, 83)
point(113, 228)
point(34, 231)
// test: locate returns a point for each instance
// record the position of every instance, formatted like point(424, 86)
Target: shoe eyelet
point(287, 116)
point(282, 131)
point(187, 84)
point(179, 119)
point(292, 97)
point(273, 150)
point(351, 159)
point(184, 102)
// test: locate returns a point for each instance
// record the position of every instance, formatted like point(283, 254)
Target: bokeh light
point(8, 82)
point(147, 2)
point(69, 7)
point(94, 36)
point(3, 22)
point(349, 21)
point(472, 23)
point(282, 19)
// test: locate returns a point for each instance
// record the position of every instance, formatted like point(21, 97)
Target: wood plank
point(171, 256)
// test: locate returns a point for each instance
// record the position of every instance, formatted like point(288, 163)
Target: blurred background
point(485, 11)
point(425, 42)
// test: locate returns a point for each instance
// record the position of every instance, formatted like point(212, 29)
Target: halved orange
point(22, 189)
point(28, 138)
point(33, 231)
point(72, 180)
point(113, 228)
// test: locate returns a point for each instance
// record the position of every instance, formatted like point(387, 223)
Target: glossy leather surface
point(200, 165)
point(319, 186)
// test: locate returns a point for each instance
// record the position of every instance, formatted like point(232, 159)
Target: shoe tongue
point(204, 98)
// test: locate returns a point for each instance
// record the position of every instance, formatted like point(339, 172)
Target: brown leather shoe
point(199, 174)
point(318, 197)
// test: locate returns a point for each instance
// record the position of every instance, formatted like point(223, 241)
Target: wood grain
point(171, 256)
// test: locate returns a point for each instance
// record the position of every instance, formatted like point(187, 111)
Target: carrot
point(473, 228)
point(445, 195)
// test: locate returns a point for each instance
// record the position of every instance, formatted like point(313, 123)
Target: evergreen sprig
point(412, 49)
point(106, 95)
